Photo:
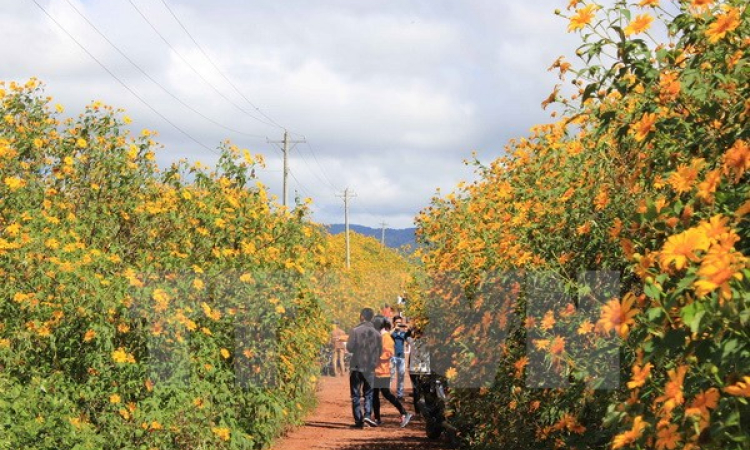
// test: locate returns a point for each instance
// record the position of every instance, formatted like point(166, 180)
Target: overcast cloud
point(392, 95)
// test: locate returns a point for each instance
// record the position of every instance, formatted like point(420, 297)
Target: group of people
point(378, 348)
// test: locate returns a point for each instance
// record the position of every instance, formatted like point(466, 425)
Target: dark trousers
point(382, 386)
point(359, 381)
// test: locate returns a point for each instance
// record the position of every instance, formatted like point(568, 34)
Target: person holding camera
point(398, 363)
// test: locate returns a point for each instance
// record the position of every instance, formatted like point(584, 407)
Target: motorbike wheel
point(433, 431)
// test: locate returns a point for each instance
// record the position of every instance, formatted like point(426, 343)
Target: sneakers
point(370, 422)
point(357, 426)
point(405, 419)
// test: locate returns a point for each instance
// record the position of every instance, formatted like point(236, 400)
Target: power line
point(187, 63)
point(301, 187)
point(322, 170)
point(164, 89)
point(208, 58)
point(229, 81)
point(122, 82)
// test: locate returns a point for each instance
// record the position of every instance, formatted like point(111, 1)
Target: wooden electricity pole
point(286, 141)
point(347, 195)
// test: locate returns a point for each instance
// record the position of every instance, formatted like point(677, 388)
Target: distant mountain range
point(394, 237)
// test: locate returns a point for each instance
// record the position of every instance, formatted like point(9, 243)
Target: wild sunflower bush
point(613, 241)
point(377, 276)
point(145, 308)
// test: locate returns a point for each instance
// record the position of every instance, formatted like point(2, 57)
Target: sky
point(391, 96)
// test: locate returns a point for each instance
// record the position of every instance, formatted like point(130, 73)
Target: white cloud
point(392, 95)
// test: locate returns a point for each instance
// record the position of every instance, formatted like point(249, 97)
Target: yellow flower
point(639, 375)
point(740, 388)
point(725, 23)
point(162, 300)
point(246, 278)
point(618, 316)
point(639, 25)
point(114, 398)
point(629, 437)
point(651, 3)
point(585, 327)
point(737, 160)
point(198, 284)
point(703, 402)
point(680, 248)
point(717, 269)
point(224, 353)
point(89, 336)
point(548, 321)
point(221, 432)
point(81, 143)
point(667, 437)
point(451, 373)
point(644, 126)
point(121, 356)
point(582, 17)
point(683, 179)
point(14, 182)
point(13, 229)
point(673, 396)
point(700, 4)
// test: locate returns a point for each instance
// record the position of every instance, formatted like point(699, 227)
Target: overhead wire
point(188, 64)
point(216, 67)
point(122, 83)
point(157, 83)
point(327, 179)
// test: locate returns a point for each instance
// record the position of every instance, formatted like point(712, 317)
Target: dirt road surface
point(328, 426)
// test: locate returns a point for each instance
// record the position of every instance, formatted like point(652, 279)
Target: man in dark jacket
point(365, 345)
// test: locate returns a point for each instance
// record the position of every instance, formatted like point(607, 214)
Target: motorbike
point(433, 406)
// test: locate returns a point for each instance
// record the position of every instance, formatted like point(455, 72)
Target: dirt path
point(328, 426)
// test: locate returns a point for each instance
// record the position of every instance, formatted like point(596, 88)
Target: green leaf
point(696, 322)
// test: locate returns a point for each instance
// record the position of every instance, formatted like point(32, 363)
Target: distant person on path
point(338, 342)
point(387, 311)
point(398, 362)
point(365, 345)
point(383, 374)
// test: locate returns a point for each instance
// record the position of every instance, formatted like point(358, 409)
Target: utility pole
point(286, 141)
point(382, 233)
point(347, 195)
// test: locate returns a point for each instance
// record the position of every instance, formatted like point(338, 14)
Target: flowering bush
point(377, 276)
point(644, 176)
point(145, 308)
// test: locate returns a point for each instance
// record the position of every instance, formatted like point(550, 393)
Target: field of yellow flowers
point(145, 308)
point(603, 262)
point(377, 276)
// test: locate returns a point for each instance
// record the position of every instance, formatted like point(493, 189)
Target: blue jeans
point(364, 382)
point(398, 368)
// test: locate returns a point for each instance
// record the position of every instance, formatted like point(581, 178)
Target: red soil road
point(328, 426)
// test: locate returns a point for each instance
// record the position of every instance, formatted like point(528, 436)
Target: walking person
point(383, 372)
point(398, 362)
point(338, 342)
point(365, 345)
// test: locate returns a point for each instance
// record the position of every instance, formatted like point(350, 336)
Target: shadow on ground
point(394, 443)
